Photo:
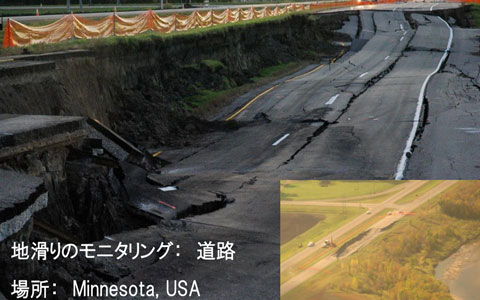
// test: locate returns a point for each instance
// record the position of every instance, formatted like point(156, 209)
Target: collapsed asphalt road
point(447, 146)
point(349, 119)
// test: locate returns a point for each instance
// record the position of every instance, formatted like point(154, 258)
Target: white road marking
point(403, 161)
point(401, 39)
point(405, 32)
point(431, 8)
point(363, 75)
point(329, 102)
point(387, 57)
point(281, 139)
point(168, 188)
point(470, 129)
point(401, 27)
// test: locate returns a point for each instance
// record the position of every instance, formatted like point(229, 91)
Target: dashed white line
point(401, 27)
point(331, 100)
point(470, 129)
point(401, 39)
point(387, 57)
point(363, 75)
point(281, 139)
point(416, 119)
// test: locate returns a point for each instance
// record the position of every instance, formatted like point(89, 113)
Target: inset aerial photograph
point(143, 144)
point(380, 239)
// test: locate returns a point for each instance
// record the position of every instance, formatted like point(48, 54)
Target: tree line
point(400, 265)
point(462, 202)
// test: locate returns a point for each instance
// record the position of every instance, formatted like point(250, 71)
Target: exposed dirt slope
point(138, 86)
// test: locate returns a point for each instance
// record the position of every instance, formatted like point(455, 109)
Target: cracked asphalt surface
point(348, 120)
point(447, 148)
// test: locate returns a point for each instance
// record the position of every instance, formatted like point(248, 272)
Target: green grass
point(374, 199)
point(341, 240)
point(476, 14)
point(204, 101)
point(213, 65)
point(204, 97)
point(400, 263)
point(305, 190)
point(419, 192)
point(335, 217)
point(270, 71)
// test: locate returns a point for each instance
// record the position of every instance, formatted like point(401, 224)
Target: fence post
point(73, 24)
point(150, 20)
point(7, 37)
point(174, 22)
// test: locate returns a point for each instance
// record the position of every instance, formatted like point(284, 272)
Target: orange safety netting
point(73, 26)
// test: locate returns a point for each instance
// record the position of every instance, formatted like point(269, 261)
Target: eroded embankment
point(143, 87)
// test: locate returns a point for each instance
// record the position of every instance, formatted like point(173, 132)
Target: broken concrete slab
point(23, 133)
point(185, 201)
point(112, 148)
point(165, 179)
point(13, 68)
point(119, 147)
point(350, 27)
point(115, 137)
point(21, 196)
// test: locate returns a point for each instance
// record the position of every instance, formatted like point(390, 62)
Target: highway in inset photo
point(362, 239)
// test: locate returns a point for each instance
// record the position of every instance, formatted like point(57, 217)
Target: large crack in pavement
point(424, 112)
point(460, 73)
point(366, 86)
point(316, 133)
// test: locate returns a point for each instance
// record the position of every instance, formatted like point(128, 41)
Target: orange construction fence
point(73, 26)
